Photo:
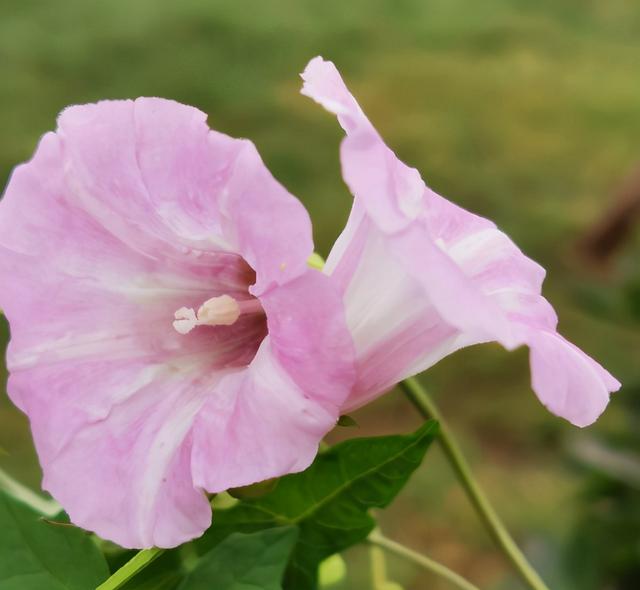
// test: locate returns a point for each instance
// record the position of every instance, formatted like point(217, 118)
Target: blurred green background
point(525, 112)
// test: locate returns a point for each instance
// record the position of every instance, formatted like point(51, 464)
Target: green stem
point(378, 568)
point(49, 508)
point(141, 560)
point(133, 567)
point(427, 408)
point(378, 565)
point(376, 538)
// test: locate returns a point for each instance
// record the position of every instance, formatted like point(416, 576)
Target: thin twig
point(378, 539)
point(419, 397)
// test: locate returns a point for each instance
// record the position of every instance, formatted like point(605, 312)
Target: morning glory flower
point(422, 277)
point(167, 335)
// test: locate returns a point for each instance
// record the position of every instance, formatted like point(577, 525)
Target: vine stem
point(47, 508)
point(378, 567)
point(376, 538)
point(133, 567)
point(378, 564)
point(419, 397)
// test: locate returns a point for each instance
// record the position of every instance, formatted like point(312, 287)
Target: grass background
point(528, 113)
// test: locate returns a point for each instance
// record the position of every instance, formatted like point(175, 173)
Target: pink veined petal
point(113, 152)
point(395, 198)
point(164, 184)
point(393, 190)
point(125, 171)
point(269, 419)
point(133, 210)
point(422, 277)
point(71, 289)
point(567, 381)
point(310, 338)
point(115, 446)
point(272, 229)
point(393, 325)
point(485, 254)
point(89, 360)
point(259, 424)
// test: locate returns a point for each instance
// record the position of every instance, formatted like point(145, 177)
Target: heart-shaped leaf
point(35, 554)
point(330, 501)
point(244, 562)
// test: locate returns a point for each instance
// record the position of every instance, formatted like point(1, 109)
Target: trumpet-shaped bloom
point(167, 336)
point(422, 277)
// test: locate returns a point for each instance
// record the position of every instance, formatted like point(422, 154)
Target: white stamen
point(217, 311)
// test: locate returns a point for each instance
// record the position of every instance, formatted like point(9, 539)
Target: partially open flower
point(167, 336)
point(422, 277)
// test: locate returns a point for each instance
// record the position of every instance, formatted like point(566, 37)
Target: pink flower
point(422, 277)
point(167, 334)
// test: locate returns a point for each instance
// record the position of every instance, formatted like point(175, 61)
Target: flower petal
point(391, 192)
point(310, 338)
point(163, 183)
point(113, 154)
point(395, 199)
point(258, 424)
point(269, 419)
point(115, 446)
point(72, 290)
point(422, 277)
point(567, 381)
point(134, 210)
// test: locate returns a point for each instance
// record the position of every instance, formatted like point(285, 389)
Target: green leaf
point(35, 555)
point(245, 562)
point(330, 501)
